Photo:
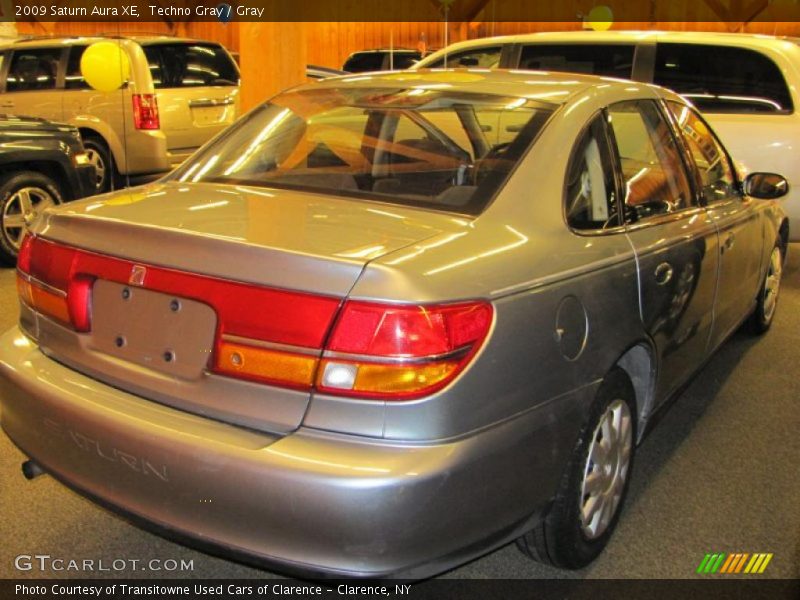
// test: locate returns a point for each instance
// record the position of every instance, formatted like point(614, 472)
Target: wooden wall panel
point(330, 43)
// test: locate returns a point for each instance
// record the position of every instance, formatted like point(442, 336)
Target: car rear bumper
point(309, 502)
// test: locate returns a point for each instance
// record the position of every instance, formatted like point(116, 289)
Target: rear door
point(674, 240)
point(197, 90)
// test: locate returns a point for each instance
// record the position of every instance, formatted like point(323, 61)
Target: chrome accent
point(400, 360)
point(47, 287)
point(236, 339)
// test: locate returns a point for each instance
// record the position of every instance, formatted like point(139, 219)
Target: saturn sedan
point(386, 323)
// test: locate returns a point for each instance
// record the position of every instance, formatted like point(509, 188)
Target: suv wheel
point(100, 158)
point(23, 196)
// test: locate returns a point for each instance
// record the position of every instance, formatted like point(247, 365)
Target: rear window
point(364, 61)
point(723, 79)
point(422, 147)
point(180, 65)
point(609, 60)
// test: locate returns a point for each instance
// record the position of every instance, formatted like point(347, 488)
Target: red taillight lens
point(145, 111)
point(398, 352)
point(24, 256)
point(47, 283)
point(374, 350)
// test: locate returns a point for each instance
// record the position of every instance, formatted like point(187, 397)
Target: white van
point(748, 86)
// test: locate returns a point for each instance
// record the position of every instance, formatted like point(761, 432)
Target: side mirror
point(766, 186)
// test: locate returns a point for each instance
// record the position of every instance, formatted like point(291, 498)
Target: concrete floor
point(719, 474)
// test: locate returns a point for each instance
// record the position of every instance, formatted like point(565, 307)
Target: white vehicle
point(748, 86)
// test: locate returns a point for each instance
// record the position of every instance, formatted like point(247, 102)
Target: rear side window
point(609, 60)
point(73, 79)
point(484, 58)
point(190, 65)
point(723, 79)
point(589, 188)
point(33, 70)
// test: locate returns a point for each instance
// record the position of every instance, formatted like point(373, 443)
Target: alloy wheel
point(606, 470)
point(772, 284)
point(96, 160)
point(21, 209)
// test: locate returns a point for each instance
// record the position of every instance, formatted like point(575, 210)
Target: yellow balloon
point(105, 66)
point(600, 18)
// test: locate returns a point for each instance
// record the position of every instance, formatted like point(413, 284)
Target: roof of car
point(545, 86)
point(697, 37)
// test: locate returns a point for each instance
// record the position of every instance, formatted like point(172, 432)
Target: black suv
point(41, 164)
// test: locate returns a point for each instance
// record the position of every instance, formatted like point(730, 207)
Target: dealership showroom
point(437, 290)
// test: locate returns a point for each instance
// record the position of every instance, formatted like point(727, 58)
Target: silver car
point(389, 322)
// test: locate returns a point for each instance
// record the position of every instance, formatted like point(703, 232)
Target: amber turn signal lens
point(262, 364)
point(44, 301)
point(372, 378)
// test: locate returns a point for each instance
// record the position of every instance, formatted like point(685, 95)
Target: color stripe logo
point(731, 564)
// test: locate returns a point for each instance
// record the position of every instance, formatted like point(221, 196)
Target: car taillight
point(284, 338)
point(145, 111)
point(398, 352)
point(46, 282)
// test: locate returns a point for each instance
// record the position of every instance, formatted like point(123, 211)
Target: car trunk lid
point(184, 276)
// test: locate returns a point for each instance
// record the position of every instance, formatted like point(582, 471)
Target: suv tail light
point(145, 111)
point(289, 339)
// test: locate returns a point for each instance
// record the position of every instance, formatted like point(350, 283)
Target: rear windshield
point(417, 146)
point(180, 65)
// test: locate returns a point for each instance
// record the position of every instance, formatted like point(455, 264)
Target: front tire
point(592, 492)
point(23, 196)
point(100, 157)
point(763, 314)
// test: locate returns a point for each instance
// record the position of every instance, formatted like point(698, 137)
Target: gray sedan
point(386, 323)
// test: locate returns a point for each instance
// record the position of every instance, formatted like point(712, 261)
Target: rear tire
point(106, 178)
point(23, 195)
point(592, 492)
point(761, 319)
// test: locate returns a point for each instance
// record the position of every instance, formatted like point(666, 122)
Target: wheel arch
point(639, 363)
point(50, 168)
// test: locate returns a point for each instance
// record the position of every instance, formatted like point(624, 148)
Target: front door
point(673, 237)
point(739, 229)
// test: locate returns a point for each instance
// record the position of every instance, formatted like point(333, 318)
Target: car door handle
point(728, 243)
point(663, 273)
point(6, 105)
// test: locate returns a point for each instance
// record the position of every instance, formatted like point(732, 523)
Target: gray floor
point(719, 474)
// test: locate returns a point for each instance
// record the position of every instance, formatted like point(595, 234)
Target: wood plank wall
point(330, 43)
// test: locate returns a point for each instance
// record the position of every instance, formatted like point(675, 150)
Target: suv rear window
point(434, 149)
point(722, 79)
point(609, 60)
point(179, 65)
